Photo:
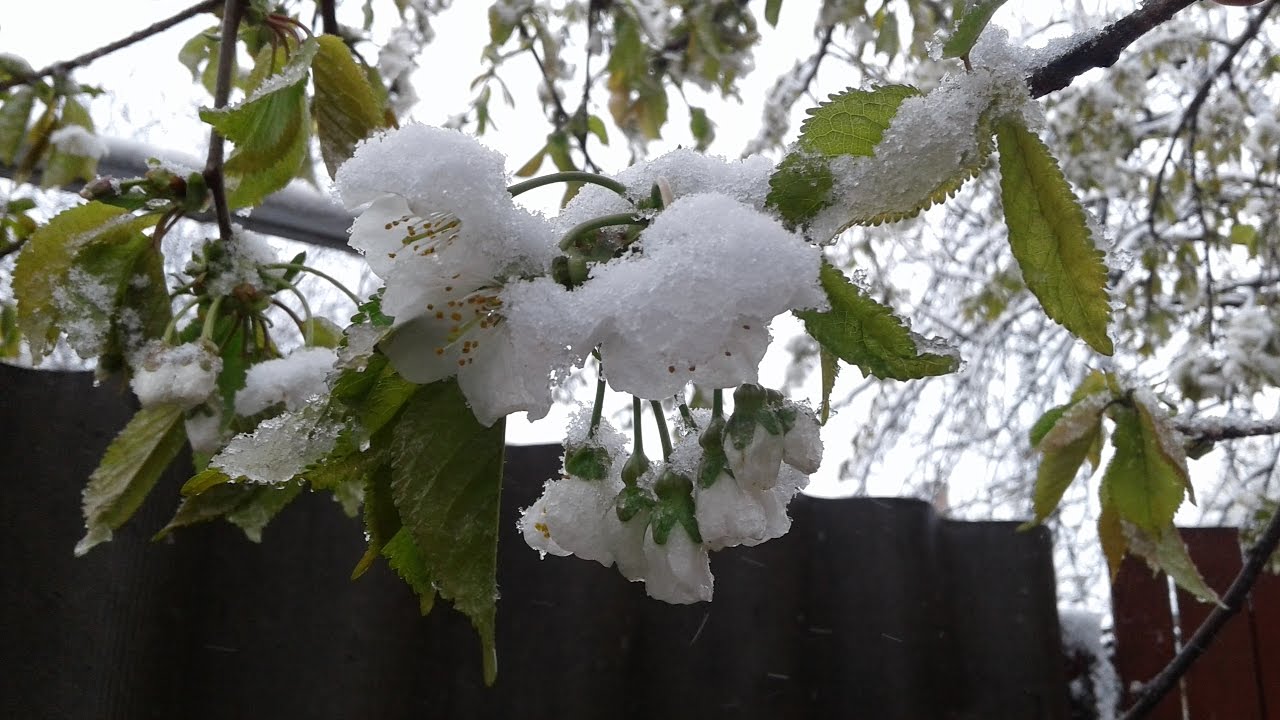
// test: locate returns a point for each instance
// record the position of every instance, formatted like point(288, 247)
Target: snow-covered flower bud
point(185, 375)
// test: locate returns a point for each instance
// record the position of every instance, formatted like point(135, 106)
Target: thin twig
point(1213, 430)
point(65, 66)
point(1103, 49)
point(213, 175)
point(1232, 601)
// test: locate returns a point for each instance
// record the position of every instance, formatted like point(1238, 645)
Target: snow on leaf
point(347, 110)
point(72, 272)
point(861, 331)
point(446, 479)
point(1050, 237)
point(129, 469)
point(849, 123)
point(271, 130)
point(1142, 483)
point(972, 21)
point(1065, 447)
point(1164, 550)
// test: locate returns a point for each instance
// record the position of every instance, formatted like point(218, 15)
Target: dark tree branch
point(329, 17)
point(213, 175)
point(1103, 49)
point(65, 66)
point(1232, 601)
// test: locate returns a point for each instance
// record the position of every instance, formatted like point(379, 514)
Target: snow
point(932, 137)
point(290, 381)
point(77, 140)
point(238, 263)
point(1082, 638)
point(185, 375)
point(279, 448)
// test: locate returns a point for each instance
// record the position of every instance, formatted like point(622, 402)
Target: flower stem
point(211, 318)
point(598, 408)
point(717, 403)
point(637, 417)
point(308, 269)
point(663, 434)
point(307, 334)
point(173, 322)
point(686, 413)
point(568, 176)
point(594, 224)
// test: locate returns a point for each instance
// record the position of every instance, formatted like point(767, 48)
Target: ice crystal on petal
point(280, 447)
point(679, 571)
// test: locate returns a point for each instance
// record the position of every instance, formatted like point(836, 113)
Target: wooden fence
point(1238, 678)
point(868, 609)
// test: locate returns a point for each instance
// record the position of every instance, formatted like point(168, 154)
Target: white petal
point(802, 446)
point(756, 465)
point(679, 571)
point(727, 515)
point(500, 380)
point(535, 530)
point(775, 501)
point(577, 516)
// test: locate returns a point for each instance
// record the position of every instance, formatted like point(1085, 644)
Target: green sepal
point(675, 506)
point(132, 464)
point(862, 332)
point(1050, 237)
point(587, 462)
point(632, 501)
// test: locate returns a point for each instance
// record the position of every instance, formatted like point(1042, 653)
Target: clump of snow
point(1099, 689)
point(695, 303)
point(239, 262)
point(291, 380)
point(204, 429)
point(185, 375)
point(77, 140)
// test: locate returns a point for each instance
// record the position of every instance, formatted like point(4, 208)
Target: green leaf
point(850, 123)
point(15, 113)
point(972, 21)
point(198, 51)
point(1144, 486)
point(381, 519)
point(406, 559)
point(133, 462)
point(596, 127)
point(1050, 237)
point(261, 506)
point(143, 308)
point(347, 109)
point(73, 271)
point(704, 131)
point(446, 480)
point(771, 10)
point(887, 40)
point(830, 370)
point(204, 481)
point(534, 164)
point(1112, 537)
point(1046, 423)
point(861, 331)
point(271, 129)
point(1064, 448)
point(1164, 550)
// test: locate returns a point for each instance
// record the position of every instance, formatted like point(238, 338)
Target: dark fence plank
point(1144, 633)
point(868, 609)
point(1223, 682)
